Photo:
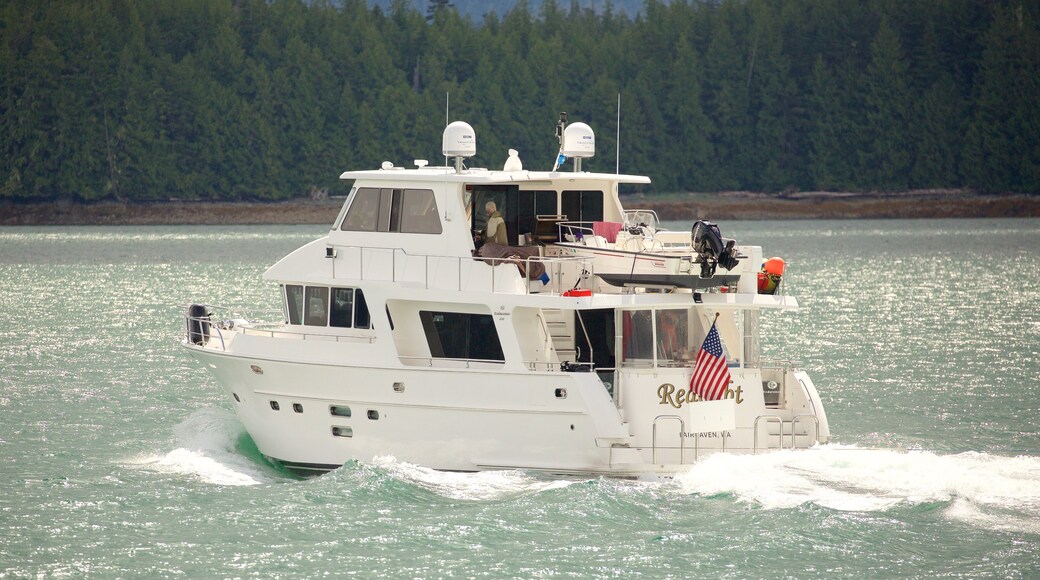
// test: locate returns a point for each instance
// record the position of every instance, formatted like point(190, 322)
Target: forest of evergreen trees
point(266, 99)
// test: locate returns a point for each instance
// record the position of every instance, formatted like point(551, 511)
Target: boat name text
point(677, 397)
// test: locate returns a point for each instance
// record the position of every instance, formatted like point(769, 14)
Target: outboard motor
point(198, 325)
point(712, 248)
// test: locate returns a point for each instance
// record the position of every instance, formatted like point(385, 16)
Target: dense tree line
point(267, 99)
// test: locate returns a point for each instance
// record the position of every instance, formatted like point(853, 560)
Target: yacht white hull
point(471, 419)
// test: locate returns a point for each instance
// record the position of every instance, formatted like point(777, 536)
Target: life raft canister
point(771, 274)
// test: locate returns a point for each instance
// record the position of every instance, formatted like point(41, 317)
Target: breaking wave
point(214, 448)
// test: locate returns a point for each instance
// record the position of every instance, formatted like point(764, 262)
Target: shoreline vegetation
point(674, 207)
point(261, 99)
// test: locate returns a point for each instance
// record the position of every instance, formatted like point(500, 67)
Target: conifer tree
point(888, 106)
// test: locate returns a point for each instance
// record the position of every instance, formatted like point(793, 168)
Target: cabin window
point(342, 315)
point(317, 306)
point(363, 214)
point(530, 205)
point(410, 211)
point(582, 206)
point(673, 342)
point(361, 316)
point(460, 335)
point(418, 212)
point(294, 303)
point(322, 306)
point(637, 337)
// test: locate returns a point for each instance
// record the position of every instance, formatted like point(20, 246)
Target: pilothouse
point(593, 341)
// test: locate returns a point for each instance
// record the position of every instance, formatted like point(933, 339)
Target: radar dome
point(578, 141)
point(459, 140)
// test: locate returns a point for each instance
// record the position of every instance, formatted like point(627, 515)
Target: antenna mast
point(617, 144)
point(447, 116)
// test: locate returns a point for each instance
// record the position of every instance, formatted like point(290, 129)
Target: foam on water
point(208, 450)
point(982, 489)
point(485, 485)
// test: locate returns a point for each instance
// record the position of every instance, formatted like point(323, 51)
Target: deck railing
point(219, 320)
point(457, 273)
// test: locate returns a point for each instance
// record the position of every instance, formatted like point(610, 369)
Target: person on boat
point(496, 225)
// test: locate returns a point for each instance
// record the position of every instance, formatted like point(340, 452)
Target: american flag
point(711, 374)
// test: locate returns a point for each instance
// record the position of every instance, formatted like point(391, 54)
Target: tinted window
point(638, 338)
point(418, 212)
point(583, 206)
point(530, 204)
point(294, 303)
point(317, 306)
point(461, 335)
point(411, 211)
point(361, 317)
point(673, 329)
point(342, 314)
point(364, 211)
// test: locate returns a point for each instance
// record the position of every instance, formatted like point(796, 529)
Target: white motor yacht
point(592, 342)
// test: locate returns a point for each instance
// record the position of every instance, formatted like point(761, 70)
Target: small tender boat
point(593, 342)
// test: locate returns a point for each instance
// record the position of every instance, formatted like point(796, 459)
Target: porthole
point(237, 400)
point(398, 387)
point(339, 410)
point(256, 369)
point(561, 393)
point(275, 406)
point(373, 414)
point(297, 407)
point(338, 431)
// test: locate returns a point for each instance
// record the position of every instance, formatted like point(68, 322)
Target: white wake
point(989, 490)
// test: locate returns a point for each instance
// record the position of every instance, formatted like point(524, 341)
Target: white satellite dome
point(579, 141)
point(459, 140)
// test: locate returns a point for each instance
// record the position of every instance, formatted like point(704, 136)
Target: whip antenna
point(617, 144)
point(447, 116)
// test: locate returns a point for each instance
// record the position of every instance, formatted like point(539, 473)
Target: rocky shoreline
point(722, 206)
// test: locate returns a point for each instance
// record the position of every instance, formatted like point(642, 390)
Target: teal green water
point(120, 459)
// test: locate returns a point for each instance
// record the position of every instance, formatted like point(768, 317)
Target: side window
point(361, 316)
point(342, 315)
point(317, 306)
point(363, 214)
point(583, 206)
point(460, 335)
point(294, 303)
point(419, 212)
point(412, 211)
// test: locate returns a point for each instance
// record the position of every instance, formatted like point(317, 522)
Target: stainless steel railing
point(219, 320)
point(455, 273)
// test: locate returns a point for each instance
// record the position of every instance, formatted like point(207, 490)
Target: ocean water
point(118, 458)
